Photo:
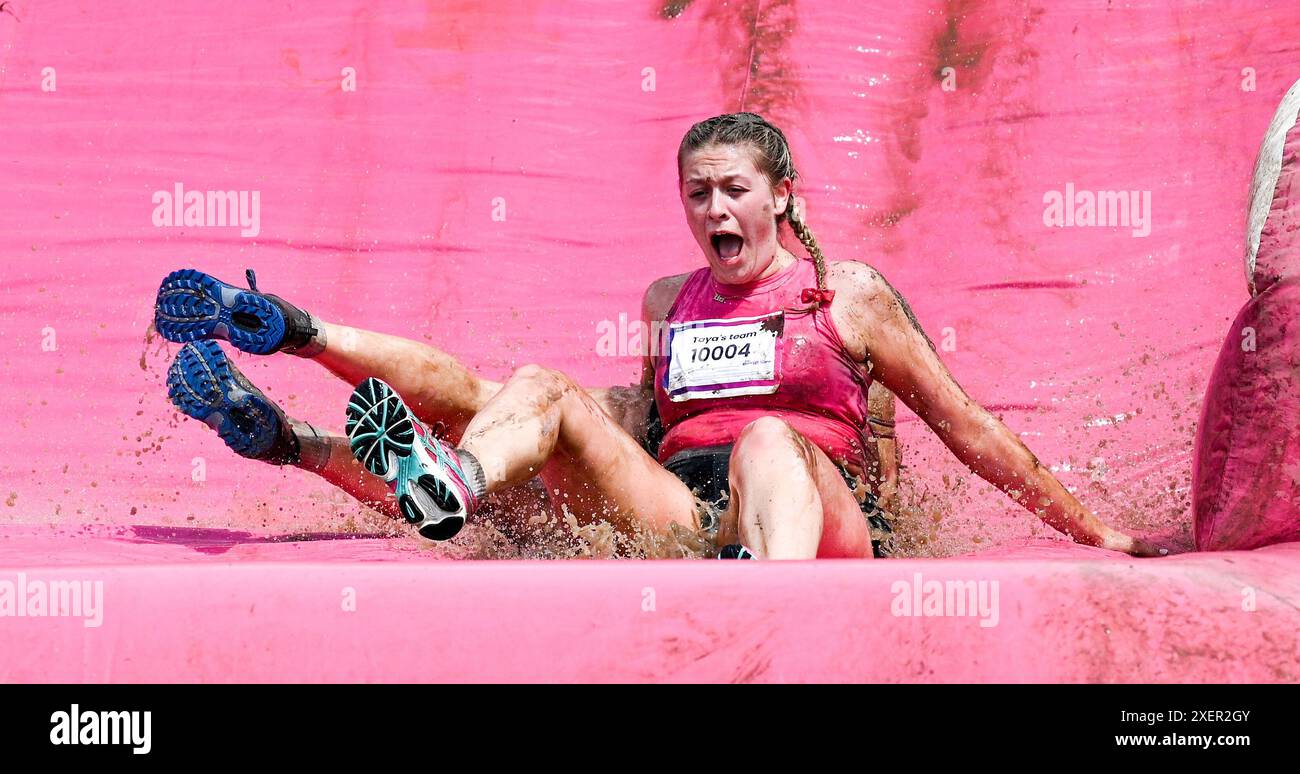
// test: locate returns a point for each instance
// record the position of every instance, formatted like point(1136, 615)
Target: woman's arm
point(904, 360)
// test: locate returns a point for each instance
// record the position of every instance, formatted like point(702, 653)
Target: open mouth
point(727, 246)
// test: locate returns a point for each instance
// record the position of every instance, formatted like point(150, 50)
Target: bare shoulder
point(869, 302)
point(861, 295)
point(661, 294)
point(856, 280)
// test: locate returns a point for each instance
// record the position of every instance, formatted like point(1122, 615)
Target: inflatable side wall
point(1246, 480)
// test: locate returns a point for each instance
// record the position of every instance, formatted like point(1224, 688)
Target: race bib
point(724, 358)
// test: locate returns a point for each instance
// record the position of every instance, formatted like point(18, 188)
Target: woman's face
point(731, 209)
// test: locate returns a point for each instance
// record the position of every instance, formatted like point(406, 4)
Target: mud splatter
point(754, 36)
point(674, 8)
point(955, 46)
point(158, 344)
point(905, 204)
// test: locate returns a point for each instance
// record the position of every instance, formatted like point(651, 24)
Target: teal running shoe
point(432, 480)
point(194, 306)
point(205, 385)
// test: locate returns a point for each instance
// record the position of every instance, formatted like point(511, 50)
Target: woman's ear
point(781, 195)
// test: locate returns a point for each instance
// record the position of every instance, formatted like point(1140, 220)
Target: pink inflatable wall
point(498, 179)
point(1246, 472)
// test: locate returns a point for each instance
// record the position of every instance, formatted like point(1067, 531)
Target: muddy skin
point(805, 456)
point(630, 409)
point(544, 396)
point(907, 308)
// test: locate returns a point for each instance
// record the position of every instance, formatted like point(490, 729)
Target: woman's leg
point(336, 465)
point(788, 501)
point(436, 386)
point(541, 422)
point(514, 510)
point(439, 389)
point(194, 308)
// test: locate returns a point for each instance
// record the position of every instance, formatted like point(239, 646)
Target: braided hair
point(772, 157)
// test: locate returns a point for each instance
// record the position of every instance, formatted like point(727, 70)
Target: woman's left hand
point(1119, 541)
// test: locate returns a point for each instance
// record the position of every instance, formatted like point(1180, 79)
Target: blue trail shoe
point(437, 486)
point(194, 306)
point(206, 386)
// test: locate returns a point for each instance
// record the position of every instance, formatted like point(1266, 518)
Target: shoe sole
point(204, 385)
point(381, 434)
point(735, 551)
point(193, 306)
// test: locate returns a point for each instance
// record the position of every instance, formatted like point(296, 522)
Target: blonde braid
point(805, 234)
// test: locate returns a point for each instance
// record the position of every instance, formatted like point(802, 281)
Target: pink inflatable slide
point(509, 167)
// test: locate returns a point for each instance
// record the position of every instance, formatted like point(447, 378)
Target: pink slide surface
point(498, 179)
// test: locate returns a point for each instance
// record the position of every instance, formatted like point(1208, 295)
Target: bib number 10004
point(725, 357)
point(718, 352)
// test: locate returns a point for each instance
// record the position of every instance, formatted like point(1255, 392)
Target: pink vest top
point(814, 384)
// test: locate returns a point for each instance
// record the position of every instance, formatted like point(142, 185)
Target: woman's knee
point(541, 379)
point(769, 434)
point(532, 372)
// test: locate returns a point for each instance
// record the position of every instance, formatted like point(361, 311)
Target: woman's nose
point(716, 208)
